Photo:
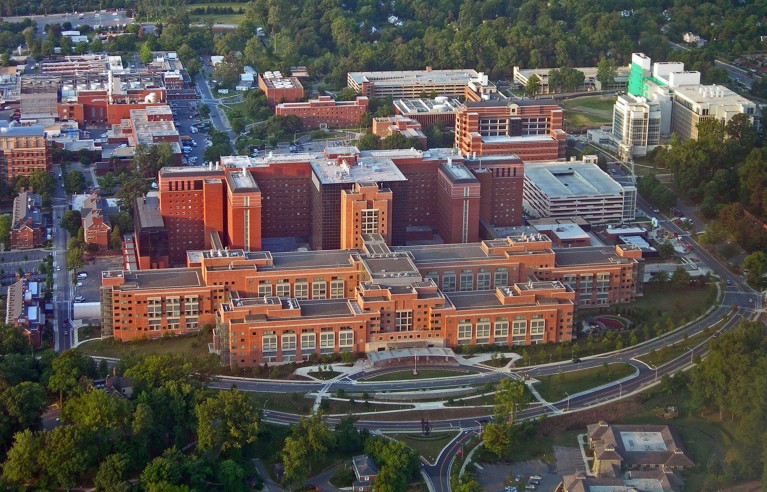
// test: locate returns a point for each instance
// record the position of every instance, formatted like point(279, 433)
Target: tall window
point(448, 281)
point(308, 341)
point(346, 338)
point(369, 221)
point(337, 288)
point(501, 330)
point(483, 330)
point(269, 342)
point(301, 288)
point(319, 288)
point(327, 340)
point(519, 330)
point(483, 280)
point(537, 328)
point(464, 331)
point(154, 307)
point(289, 341)
point(501, 278)
point(264, 288)
point(283, 289)
point(173, 307)
point(467, 280)
point(191, 305)
point(403, 321)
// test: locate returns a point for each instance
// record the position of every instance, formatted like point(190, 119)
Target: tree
point(22, 465)
point(145, 53)
point(74, 182)
point(348, 437)
point(226, 422)
point(6, 222)
point(12, 340)
point(68, 453)
point(115, 240)
point(42, 182)
point(149, 159)
point(84, 156)
point(131, 189)
point(113, 474)
point(509, 396)
point(606, 72)
point(756, 264)
point(396, 461)
point(532, 86)
point(296, 461)
point(75, 254)
point(680, 277)
point(98, 412)
point(66, 371)
point(71, 221)
point(231, 476)
point(205, 110)
point(665, 249)
point(21, 406)
point(497, 437)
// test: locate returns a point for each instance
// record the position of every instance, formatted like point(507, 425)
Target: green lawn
point(218, 18)
point(428, 447)
point(407, 374)
point(335, 407)
point(578, 121)
point(671, 352)
point(283, 402)
point(600, 103)
point(196, 345)
point(556, 387)
point(661, 302)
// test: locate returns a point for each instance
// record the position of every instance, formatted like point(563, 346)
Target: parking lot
point(496, 477)
point(183, 116)
point(90, 286)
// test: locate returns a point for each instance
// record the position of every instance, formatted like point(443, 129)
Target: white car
point(79, 284)
point(104, 135)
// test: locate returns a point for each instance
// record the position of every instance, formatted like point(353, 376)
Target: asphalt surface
point(93, 19)
point(206, 97)
point(62, 337)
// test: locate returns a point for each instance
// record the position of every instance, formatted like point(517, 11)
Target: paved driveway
point(569, 460)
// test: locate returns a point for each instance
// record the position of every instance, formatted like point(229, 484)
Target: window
point(264, 288)
point(501, 278)
point(369, 221)
point(327, 339)
point(403, 321)
point(346, 338)
point(319, 288)
point(501, 329)
point(283, 289)
point(154, 307)
point(537, 327)
point(191, 305)
point(301, 289)
point(308, 341)
point(483, 330)
point(467, 280)
point(173, 306)
point(483, 280)
point(448, 281)
point(464, 331)
point(518, 330)
point(289, 341)
point(337, 288)
point(269, 343)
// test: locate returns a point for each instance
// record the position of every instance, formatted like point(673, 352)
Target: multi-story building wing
point(530, 128)
point(412, 84)
point(23, 150)
point(279, 307)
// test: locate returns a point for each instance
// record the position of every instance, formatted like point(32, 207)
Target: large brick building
point(530, 128)
point(279, 307)
point(248, 200)
point(23, 151)
point(279, 89)
point(324, 111)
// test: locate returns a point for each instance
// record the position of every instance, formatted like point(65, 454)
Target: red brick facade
point(325, 111)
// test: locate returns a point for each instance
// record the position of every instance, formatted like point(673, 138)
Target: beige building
point(590, 82)
point(414, 83)
point(693, 104)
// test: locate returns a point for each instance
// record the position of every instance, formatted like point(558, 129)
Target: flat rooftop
point(242, 181)
point(518, 138)
point(712, 94)
point(148, 211)
point(367, 169)
point(415, 77)
point(570, 179)
point(414, 107)
point(312, 259)
point(588, 255)
point(643, 441)
point(458, 173)
point(21, 131)
point(160, 279)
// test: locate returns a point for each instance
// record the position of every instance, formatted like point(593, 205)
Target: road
point(93, 19)
point(62, 294)
point(215, 116)
point(743, 77)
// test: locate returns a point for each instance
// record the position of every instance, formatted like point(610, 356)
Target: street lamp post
point(480, 427)
point(692, 349)
point(568, 401)
point(415, 365)
point(620, 390)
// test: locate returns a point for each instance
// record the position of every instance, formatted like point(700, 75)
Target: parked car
point(79, 299)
